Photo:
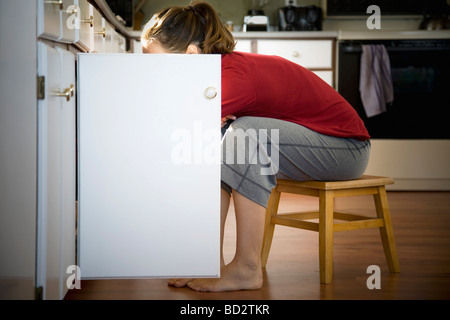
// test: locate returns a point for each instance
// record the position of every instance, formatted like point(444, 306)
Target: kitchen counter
point(345, 35)
point(387, 35)
point(286, 35)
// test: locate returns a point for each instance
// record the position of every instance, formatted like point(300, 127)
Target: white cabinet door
point(68, 167)
point(149, 174)
point(49, 19)
point(108, 37)
point(84, 33)
point(308, 53)
point(54, 20)
point(69, 14)
point(56, 171)
point(99, 32)
point(49, 175)
point(326, 76)
point(18, 155)
point(118, 42)
point(244, 45)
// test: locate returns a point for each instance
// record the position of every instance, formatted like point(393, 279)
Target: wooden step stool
point(327, 191)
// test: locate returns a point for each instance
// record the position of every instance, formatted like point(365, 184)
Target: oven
point(420, 71)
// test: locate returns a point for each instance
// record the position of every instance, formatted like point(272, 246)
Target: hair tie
point(197, 15)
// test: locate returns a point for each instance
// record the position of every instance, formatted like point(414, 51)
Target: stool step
point(354, 221)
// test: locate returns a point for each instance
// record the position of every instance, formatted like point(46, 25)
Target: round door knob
point(211, 93)
point(296, 54)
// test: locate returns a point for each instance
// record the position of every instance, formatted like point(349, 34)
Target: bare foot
point(234, 276)
point(178, 283)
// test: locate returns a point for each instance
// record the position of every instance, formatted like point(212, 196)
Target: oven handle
point(358, 49)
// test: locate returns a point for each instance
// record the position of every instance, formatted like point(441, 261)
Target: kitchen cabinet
point(18, 155)
point(84, 30)
point(56, 170)
point(312, 54)
point(315, 55)
point(38, 128)
point(415, 164)
point(149, 165)
point(52, 18)
point(312, 50)
point(118, 42)
point(243, 45)
point(99, 32)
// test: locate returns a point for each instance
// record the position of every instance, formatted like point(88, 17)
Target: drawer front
point(49, 20)
point(99, 32)
point(326, 76)
point(69, 14)
point(118, 43)
point(84, 34)
point(307, 53)
point(243, 46)
point(108, 36)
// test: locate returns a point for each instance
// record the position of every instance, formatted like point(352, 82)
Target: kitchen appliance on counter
point(256, 21)
point(436, 16)
point(302, 18)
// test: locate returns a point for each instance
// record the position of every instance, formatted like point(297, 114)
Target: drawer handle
point(59, 3)
point(211, 92)
point(296, 54)
point(72, 10)
point(90, 21)
point(103, 33)
point(65, 93)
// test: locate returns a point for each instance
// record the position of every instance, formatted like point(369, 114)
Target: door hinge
point(38, 293)
point(41, 87)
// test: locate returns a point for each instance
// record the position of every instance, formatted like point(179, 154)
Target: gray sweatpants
point(256, 151)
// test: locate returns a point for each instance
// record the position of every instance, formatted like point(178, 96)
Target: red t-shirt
point(273, 87)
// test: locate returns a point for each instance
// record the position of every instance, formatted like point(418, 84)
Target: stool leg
point(386, 232)
point(272, 209)
point(326, 199)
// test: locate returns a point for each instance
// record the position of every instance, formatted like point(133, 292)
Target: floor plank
point(421, 224)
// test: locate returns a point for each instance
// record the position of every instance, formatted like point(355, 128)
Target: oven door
point(420, 71)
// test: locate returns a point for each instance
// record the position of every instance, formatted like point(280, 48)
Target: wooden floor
point(422, 228)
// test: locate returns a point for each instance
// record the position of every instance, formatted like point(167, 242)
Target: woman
point(313, 133)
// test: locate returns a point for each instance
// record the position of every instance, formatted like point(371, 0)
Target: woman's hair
point(175, 28)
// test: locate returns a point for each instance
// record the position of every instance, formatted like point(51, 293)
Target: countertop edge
point(345, 34)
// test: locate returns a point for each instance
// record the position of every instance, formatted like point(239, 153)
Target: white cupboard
point(68, 14)
point(54, 20)
point(315, 55)
point(56, 170)
point(312, 54)
point(243, 45)
point(49, 19)
point(84, 26)
point(99, 32)
point(149, 165)
point(18, 155)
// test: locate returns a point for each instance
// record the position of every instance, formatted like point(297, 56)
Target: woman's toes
point(178, 283)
